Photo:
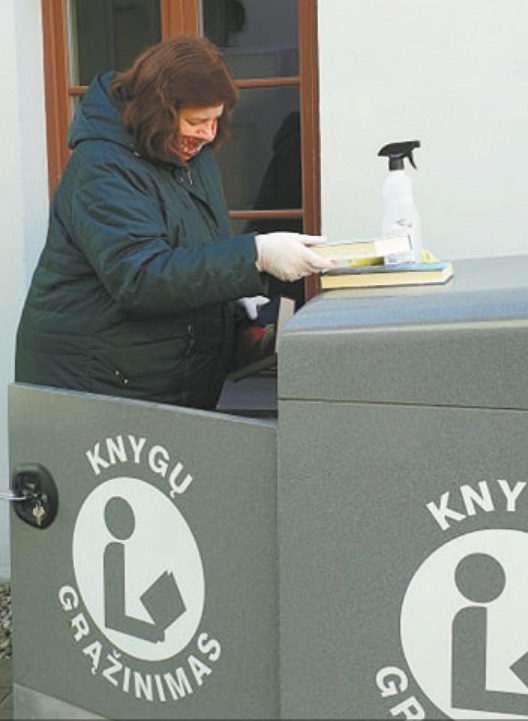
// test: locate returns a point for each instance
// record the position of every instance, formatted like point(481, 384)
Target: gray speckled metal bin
point(175, 503)
point(402, 465)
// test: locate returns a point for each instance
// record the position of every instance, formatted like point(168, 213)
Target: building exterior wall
point(450, 73)
point(23, 194)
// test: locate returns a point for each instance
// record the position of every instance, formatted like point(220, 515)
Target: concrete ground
point(6, 689)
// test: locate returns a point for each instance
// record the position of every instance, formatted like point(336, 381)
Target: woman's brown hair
point(183, 71)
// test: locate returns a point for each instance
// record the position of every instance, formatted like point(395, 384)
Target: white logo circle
point(138, 569)
point(464, 624)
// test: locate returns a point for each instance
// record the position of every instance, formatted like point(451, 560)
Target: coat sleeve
point(118, 224)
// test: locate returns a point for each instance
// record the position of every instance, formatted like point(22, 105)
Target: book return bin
point(361, 555)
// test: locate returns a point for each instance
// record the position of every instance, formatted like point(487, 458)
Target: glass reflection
point(259, 38)
point(281, 184)
point(264, 143)
point(281, 188)
point(110, 34)
point(261, 166)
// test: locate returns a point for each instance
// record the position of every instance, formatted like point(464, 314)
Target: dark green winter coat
point(133, 293)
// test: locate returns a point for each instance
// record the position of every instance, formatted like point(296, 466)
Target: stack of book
point(353, 269)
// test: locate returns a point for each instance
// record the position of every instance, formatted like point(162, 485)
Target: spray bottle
point(400, 216)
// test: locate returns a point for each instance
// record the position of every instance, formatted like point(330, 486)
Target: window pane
point(109, 34)
point(261, 162)
point(259, 38)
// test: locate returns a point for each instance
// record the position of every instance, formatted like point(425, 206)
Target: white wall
point(450, 73)
point(23, 193)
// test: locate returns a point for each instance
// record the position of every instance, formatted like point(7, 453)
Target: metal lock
point(34, 494)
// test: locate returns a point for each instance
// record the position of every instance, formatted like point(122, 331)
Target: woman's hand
point(288, 257)
point(251, 305)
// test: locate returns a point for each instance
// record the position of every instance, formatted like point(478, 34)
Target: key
point(39, 512)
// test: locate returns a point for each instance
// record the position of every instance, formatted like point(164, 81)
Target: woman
point(134, 292)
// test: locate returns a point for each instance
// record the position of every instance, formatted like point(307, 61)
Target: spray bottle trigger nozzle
point(397, 152)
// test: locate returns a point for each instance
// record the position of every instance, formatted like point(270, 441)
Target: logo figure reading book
point(463, 625)
point(162, 599)
point(138, 568)
point(481, 579)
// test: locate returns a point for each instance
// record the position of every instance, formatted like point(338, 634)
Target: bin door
point(152, 592)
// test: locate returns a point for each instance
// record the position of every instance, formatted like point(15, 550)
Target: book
point(340, 250)
point(163, 600)
point(375, 276)
point(257, 341)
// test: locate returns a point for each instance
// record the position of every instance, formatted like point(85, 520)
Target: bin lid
point(464, 343)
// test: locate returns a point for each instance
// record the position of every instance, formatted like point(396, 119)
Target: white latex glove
point(251, 305)
point(288, 257)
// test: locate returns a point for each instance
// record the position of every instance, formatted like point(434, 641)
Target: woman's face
point(196, 128)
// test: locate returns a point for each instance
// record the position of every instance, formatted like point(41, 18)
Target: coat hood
point(98, 117)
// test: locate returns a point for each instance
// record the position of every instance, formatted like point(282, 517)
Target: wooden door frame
point(56, 79)
point(179, 17)
point(310, 142)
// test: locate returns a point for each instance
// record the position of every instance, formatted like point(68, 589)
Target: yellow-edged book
point(375, 276)
point(341, 250)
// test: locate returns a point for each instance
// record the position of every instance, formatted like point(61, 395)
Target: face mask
point(187, 146)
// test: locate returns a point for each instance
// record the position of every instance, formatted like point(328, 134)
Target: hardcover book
point(342, 250)
point(373, 276)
